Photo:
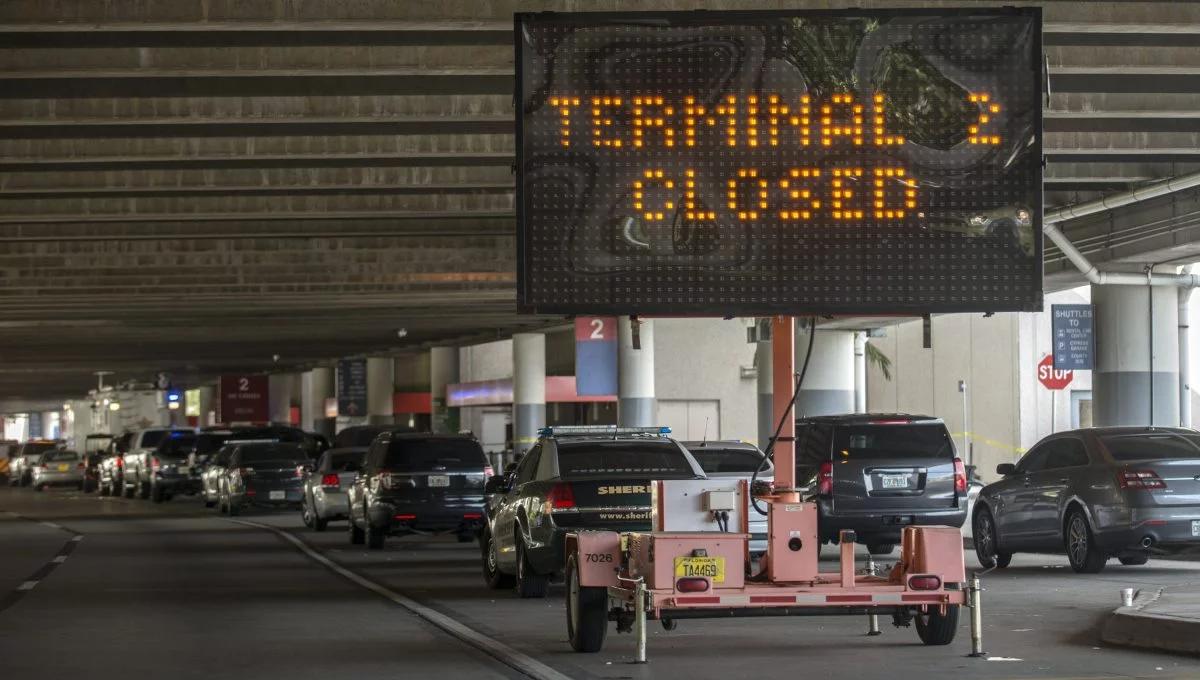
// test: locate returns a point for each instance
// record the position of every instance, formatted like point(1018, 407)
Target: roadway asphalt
point(174, 589)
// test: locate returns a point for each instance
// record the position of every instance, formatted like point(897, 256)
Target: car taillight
point(924, 583)
point(404, 518)
point(692, 585)
point(472, 515)
point(80, 466)
point(1140, 479)
point(331, 481)
point(488, 471)
point(155, 463)
point(120, 462)
point(825, 479)
point(960, 476)
point(561, 496)
point(246, 471)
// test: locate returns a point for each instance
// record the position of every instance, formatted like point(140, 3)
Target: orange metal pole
point(783, 357)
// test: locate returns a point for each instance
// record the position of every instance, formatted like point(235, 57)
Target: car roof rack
point(601, 431)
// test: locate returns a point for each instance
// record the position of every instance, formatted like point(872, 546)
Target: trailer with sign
point(781, 164)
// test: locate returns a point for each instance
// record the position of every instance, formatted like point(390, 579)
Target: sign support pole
point(783, 360)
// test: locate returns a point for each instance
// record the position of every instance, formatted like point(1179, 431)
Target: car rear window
point(727, 460)
point(206, 444)
point(177, 446)
point(1152, 445)
point(891, 441)
point(422, 455)
point(346, 462)
point(356, 437)
point(152, 438)
point(56, 456)
point(618, 458)
point(258, 455)
point(36, 449)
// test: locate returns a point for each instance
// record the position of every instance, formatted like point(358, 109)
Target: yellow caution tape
point(993, 443)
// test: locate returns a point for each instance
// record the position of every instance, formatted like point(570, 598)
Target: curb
point(1132, 627)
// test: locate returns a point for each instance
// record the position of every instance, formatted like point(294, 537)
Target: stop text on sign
point(793, 195)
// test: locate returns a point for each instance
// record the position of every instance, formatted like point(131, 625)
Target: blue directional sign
point(1074, 337)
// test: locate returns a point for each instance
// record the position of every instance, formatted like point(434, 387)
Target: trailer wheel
point(587, 612)
point(934, 628)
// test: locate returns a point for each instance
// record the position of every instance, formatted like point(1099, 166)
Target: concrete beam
point(345, 160)
point(133, 128)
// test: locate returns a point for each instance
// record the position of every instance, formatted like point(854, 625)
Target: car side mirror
point(1006, 469)
point(496, 484)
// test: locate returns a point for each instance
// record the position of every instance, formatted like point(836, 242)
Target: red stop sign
point(1052, 379)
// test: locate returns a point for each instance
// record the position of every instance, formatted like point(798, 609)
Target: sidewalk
point(1167, 619)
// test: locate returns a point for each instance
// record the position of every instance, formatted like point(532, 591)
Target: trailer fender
point(598, 554)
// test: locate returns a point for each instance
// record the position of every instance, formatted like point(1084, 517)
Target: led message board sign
point(750, 163)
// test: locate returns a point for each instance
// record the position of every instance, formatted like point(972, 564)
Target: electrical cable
point(769, 454)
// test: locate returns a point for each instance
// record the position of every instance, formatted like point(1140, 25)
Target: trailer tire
point(934, 628)
point(881, 548)
point(587, 612)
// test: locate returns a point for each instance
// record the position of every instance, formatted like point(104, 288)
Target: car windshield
point(60, 456)
point(715, 461)
point(1146, 446)
point(618, 458)
point(422, 455)
point(356, 437)
point(892, 441)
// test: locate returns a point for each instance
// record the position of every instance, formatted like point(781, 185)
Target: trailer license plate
point(439, 480)
point(712, 567)
point(278, 495)
point(894, 481)
point(1196, 527)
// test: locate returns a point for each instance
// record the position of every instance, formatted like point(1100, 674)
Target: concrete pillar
point(829, 383)
point(860, 372)
point(636, 406)
point(282, 392)
point(1136, 381)
point(529, 389)
point(766, 418)
point(315, 387)
point(205, 406)
point(381, 376)
point(1185, 356)
point(443, 370)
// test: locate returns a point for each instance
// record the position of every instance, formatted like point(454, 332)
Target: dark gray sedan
point(1096, 493)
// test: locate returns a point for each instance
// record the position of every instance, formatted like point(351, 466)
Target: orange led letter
point(986, 110)
point(842, 188)
point(656, 181)
point(841, 117)
point(801, 202)
point(602, 121)
point(650, 114)
point(893, 193)
point(746, 195)
point(563, 106)
point(877, 116)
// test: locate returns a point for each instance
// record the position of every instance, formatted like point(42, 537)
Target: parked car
point(8, 449)
point(171, 473)
point(57, 467)
point(210, 456)
point(137, 462)
point(1095, 493)
point(94, 447)
point(737, 460)
point(325, 497)
point(111, 469)
point(875, 474)
point(418, 483)
point(28, 455)
point(572, 479)
point(265, 474)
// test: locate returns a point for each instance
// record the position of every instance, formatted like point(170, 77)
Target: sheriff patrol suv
point(590, 477)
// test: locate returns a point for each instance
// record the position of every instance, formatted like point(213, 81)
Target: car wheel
point(235, 509)
point(1134, 560)
point(357, 535)
point(375, 537)
point(320, 524)
point(156, 494)
point(143, 489)
point(587, 612)
point(306, 514)
point(985, 539)
point(41, 488)
point(881, 548)
point(530, 584)
point(1085, 556)
point(492, 575)
point(128, 490)
point(101, 489)
point(935, 628)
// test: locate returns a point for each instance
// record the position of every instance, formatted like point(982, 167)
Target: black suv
point(878, 473)
point(417, 483)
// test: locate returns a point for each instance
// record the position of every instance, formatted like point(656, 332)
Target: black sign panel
point(750, 163)
point(352, 387)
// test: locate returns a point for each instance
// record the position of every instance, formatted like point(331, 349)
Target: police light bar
point(252, 441)
point(605, 430)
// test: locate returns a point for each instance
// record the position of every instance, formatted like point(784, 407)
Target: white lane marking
point(520, 661)
point(28, 585)
point(77, 538)
point(52, 525)
point(60, 559)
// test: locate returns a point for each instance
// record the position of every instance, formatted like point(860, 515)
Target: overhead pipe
point(1090, 271)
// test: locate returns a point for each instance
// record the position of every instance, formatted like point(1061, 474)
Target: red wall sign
point(244, 399)
point(1050, 377)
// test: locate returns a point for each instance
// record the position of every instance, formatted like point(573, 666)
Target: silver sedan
point(58, 468)
point(325, 487)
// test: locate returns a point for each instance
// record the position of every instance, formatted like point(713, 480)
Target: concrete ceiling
point(196, 187)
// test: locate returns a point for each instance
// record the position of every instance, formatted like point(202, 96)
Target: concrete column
point(1185, 356)
point(829, 383)
point(860, 372)
point(283, 388)
point(636, 406)
point(204, 403)
point(1136, 381)
point(381, 376)
point(443, 370)
point(529, 389)
point(766, 418)
point(315, 387)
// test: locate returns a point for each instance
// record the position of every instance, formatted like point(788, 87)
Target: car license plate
point(690, 567)
point(278, 495)
point(1196, 527)
point(62, 467)
point(894, 481)
point(439, 480)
